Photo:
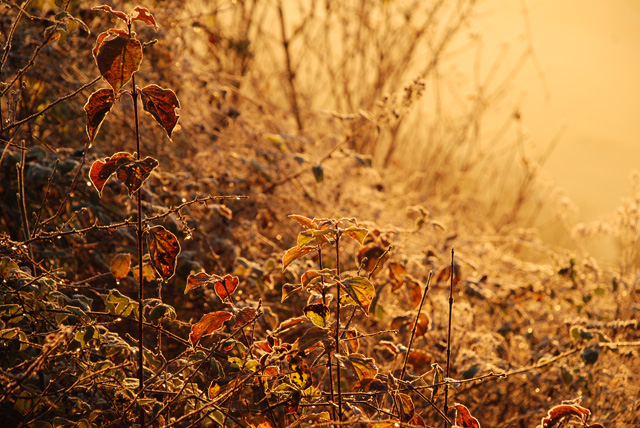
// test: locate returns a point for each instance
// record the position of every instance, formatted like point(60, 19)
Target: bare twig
point(446, 387)
point(415, 326)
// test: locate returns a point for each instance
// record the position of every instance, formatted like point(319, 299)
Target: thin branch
point(415, 326)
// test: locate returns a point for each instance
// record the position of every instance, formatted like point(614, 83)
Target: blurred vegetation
point(327, 109)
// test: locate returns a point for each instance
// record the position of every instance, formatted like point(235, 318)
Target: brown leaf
point(162, 105)
point(415, 290)
point(120, 265)
point(208, 324)
point(101, 170)
point(163, 249)
point(464, 418)
point(97, 107)
point(245, 316)
point(135, 173)
point(118, 56)
point(372, 253)
point(143, 14)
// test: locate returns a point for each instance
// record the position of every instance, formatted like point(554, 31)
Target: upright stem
point(446, 386)
point(134, 95)
point(338, 325)
point(329, 368)
point(290, 73)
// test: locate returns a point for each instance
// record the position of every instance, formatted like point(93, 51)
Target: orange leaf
point(363, 367)
point(97, 107)
point(120, 265)
point(163, 249)
point(304, 221)
point(360, 290)
point(143, 14)
point(208, 324)
point(226, 286)
point(464, 418)
point(162, 105)
point(294, 253)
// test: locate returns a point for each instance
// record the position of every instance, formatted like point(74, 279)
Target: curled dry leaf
point(557, 414)
point(464, 418)
point(143, 14)
point(116, 13)
point(161, 104)
point(163, 249)
point(120, 265)
point(118, 56)
point(208, 324)
point(97, 107)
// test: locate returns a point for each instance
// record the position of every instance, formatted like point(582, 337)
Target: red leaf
point(143, 14)
point(464, 418)
point(226, 286)
point(116, 13)
point(162, 105)
point(134, 174)
point(118, 57)
point(97, 107)
point(163, 249)
point(101, 170)
point(200, 279)
point(208, 324)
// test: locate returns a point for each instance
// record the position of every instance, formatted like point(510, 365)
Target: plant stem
point(415, 326)
point(446, 386)
point(329, 368)
point(338, 325)
point(134, 95)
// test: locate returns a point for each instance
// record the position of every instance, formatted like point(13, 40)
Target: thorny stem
point(446, 387)
point(338, 325)
point(415, 326)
